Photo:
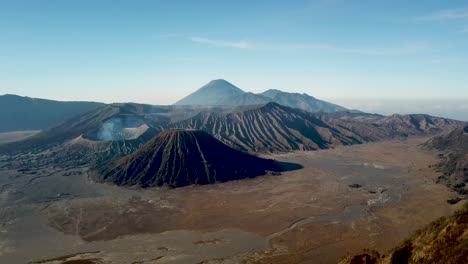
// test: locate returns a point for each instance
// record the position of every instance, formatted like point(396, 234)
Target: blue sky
point(160, 50)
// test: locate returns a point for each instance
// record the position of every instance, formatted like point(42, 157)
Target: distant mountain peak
point(211, 93)
point(13, 95)
point(221, 84)
point(219, 81)
point(271, 93)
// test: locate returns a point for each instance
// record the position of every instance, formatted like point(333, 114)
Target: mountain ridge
point(26, 113)
point(269, 127)
point(277, 128)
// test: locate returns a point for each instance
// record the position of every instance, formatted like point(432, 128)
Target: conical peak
point(220, 84)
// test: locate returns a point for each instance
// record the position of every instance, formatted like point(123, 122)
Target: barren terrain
point(8, 137)
point(344, 200)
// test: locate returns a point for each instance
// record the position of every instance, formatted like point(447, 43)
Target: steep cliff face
point(183, 157)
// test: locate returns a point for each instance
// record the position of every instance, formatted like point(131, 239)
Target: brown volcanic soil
point(309, 215)
point(183, 157)
point(305, 216)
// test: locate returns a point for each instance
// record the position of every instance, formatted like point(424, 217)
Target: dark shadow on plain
point(286, 166)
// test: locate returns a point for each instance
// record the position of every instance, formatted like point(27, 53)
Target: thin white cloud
point(465, 30)
point(241, 44)
point(400, 50)
point(444, 15)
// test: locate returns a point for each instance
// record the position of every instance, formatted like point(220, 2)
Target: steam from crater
point(109, 130)
point(117, 129)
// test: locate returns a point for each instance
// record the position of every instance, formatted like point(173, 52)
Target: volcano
point(181, 157)
point(212, 94)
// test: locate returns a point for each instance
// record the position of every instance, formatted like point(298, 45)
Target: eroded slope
point(183, 157)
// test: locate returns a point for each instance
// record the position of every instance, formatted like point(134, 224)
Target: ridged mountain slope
point(273, 127)
point(183, 157)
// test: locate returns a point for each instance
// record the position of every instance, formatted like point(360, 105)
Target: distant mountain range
point(222, 93)
point(19, 113)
